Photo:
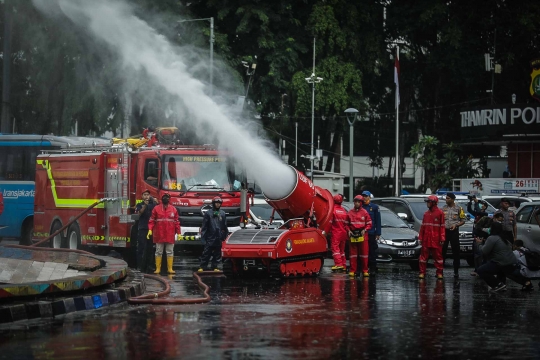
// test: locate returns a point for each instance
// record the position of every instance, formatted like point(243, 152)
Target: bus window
point(18, 163)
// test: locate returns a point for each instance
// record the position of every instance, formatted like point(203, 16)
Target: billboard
point(506, 186)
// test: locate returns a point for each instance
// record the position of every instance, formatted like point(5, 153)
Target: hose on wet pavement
point(156, 298)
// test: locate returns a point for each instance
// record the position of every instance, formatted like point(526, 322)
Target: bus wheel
point(57, 242)
point(26, 232)
point(74, 237)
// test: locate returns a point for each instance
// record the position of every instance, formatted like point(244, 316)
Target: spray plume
point(141, 48)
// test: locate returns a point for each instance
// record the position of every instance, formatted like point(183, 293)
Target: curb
point(132, 285)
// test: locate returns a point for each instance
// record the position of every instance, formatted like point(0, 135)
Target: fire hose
point(143, 299)
point(155, 298)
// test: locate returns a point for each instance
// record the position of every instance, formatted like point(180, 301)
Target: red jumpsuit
point(340, 234)
point(432, 236)
point(359, 220)
point(164, 224)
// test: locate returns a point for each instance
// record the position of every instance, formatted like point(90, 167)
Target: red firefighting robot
point(432, 236)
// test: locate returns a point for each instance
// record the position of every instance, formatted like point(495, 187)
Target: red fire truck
point(68, 181)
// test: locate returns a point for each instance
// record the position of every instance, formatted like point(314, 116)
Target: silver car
point(528, 227)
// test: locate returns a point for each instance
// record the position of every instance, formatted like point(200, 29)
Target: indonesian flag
point(396, 77)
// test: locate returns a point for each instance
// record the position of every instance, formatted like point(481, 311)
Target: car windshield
point(264, 211)
point(463, 203)
point(391, 220)
point(208, 173)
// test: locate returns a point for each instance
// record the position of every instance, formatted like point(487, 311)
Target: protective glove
point(149, 234)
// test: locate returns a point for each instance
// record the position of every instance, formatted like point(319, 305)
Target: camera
point(471, 197)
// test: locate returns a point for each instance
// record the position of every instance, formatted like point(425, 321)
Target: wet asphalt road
point(389, 316)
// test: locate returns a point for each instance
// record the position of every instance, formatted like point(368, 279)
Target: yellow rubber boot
point(158, 265)
point(169, 265)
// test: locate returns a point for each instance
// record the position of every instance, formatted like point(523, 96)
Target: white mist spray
point(140, 47)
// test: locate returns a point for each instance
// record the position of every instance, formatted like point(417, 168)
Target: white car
point(260, 213)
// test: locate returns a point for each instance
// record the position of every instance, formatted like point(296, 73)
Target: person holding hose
point(163, 225)
point(360, 223)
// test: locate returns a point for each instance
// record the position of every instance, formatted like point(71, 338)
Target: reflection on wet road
point(392, 315)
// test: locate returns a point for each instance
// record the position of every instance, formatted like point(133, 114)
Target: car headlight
point(384, 241)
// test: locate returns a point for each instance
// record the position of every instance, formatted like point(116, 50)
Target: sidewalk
point(44, 283)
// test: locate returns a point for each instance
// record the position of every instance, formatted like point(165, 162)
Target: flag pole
point(396, 74)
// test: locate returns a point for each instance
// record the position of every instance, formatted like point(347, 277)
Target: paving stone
point(18, 312)
point(88, 302)
point(32, 310)
point(79, 303)
point(61, 267)
point(6, 275)
point(5, 315)
point(45, 308)
point(48, 264)
point(110, 297)
point(58, 307)
point(70, 305)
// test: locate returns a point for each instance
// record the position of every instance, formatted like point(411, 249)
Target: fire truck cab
point(69, 181)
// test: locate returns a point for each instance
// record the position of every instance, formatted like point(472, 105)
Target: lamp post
point(313, 80)
point(351, 118)
point(211, 19)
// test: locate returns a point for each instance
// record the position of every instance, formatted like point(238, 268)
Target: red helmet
point(217, 199)
point(338, 199)
point(434, 199)
point(359, 198)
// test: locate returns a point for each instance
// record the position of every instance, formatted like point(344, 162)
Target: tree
point(442, 162)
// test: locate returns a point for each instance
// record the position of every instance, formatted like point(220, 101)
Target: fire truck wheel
point(74, 237)
point(57, 242)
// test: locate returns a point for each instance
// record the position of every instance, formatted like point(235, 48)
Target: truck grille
point(192, 216)
point(255, 236)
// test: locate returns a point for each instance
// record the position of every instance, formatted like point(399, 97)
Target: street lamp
point(313, 80)
point(211, 19)
point(351, 118)
point(249, 72)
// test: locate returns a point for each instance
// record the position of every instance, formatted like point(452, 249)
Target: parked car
point(495, 200)
point(461, 200)
point(528, 229)
point(260, 213)
point(412, 211)
point(398, 242)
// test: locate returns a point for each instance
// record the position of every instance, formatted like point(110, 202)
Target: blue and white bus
point(17, 171)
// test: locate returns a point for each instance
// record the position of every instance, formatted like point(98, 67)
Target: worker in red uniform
point(360, 223)
point(340, 234)
point(432, 236)
point(163, 225)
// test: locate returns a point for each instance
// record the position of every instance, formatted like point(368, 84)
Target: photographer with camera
point(477, 208)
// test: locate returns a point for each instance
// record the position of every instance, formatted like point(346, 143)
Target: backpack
point(533, 260)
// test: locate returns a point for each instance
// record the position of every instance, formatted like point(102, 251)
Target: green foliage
point(442, 162)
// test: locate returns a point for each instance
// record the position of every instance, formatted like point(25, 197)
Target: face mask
point(165, 201)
